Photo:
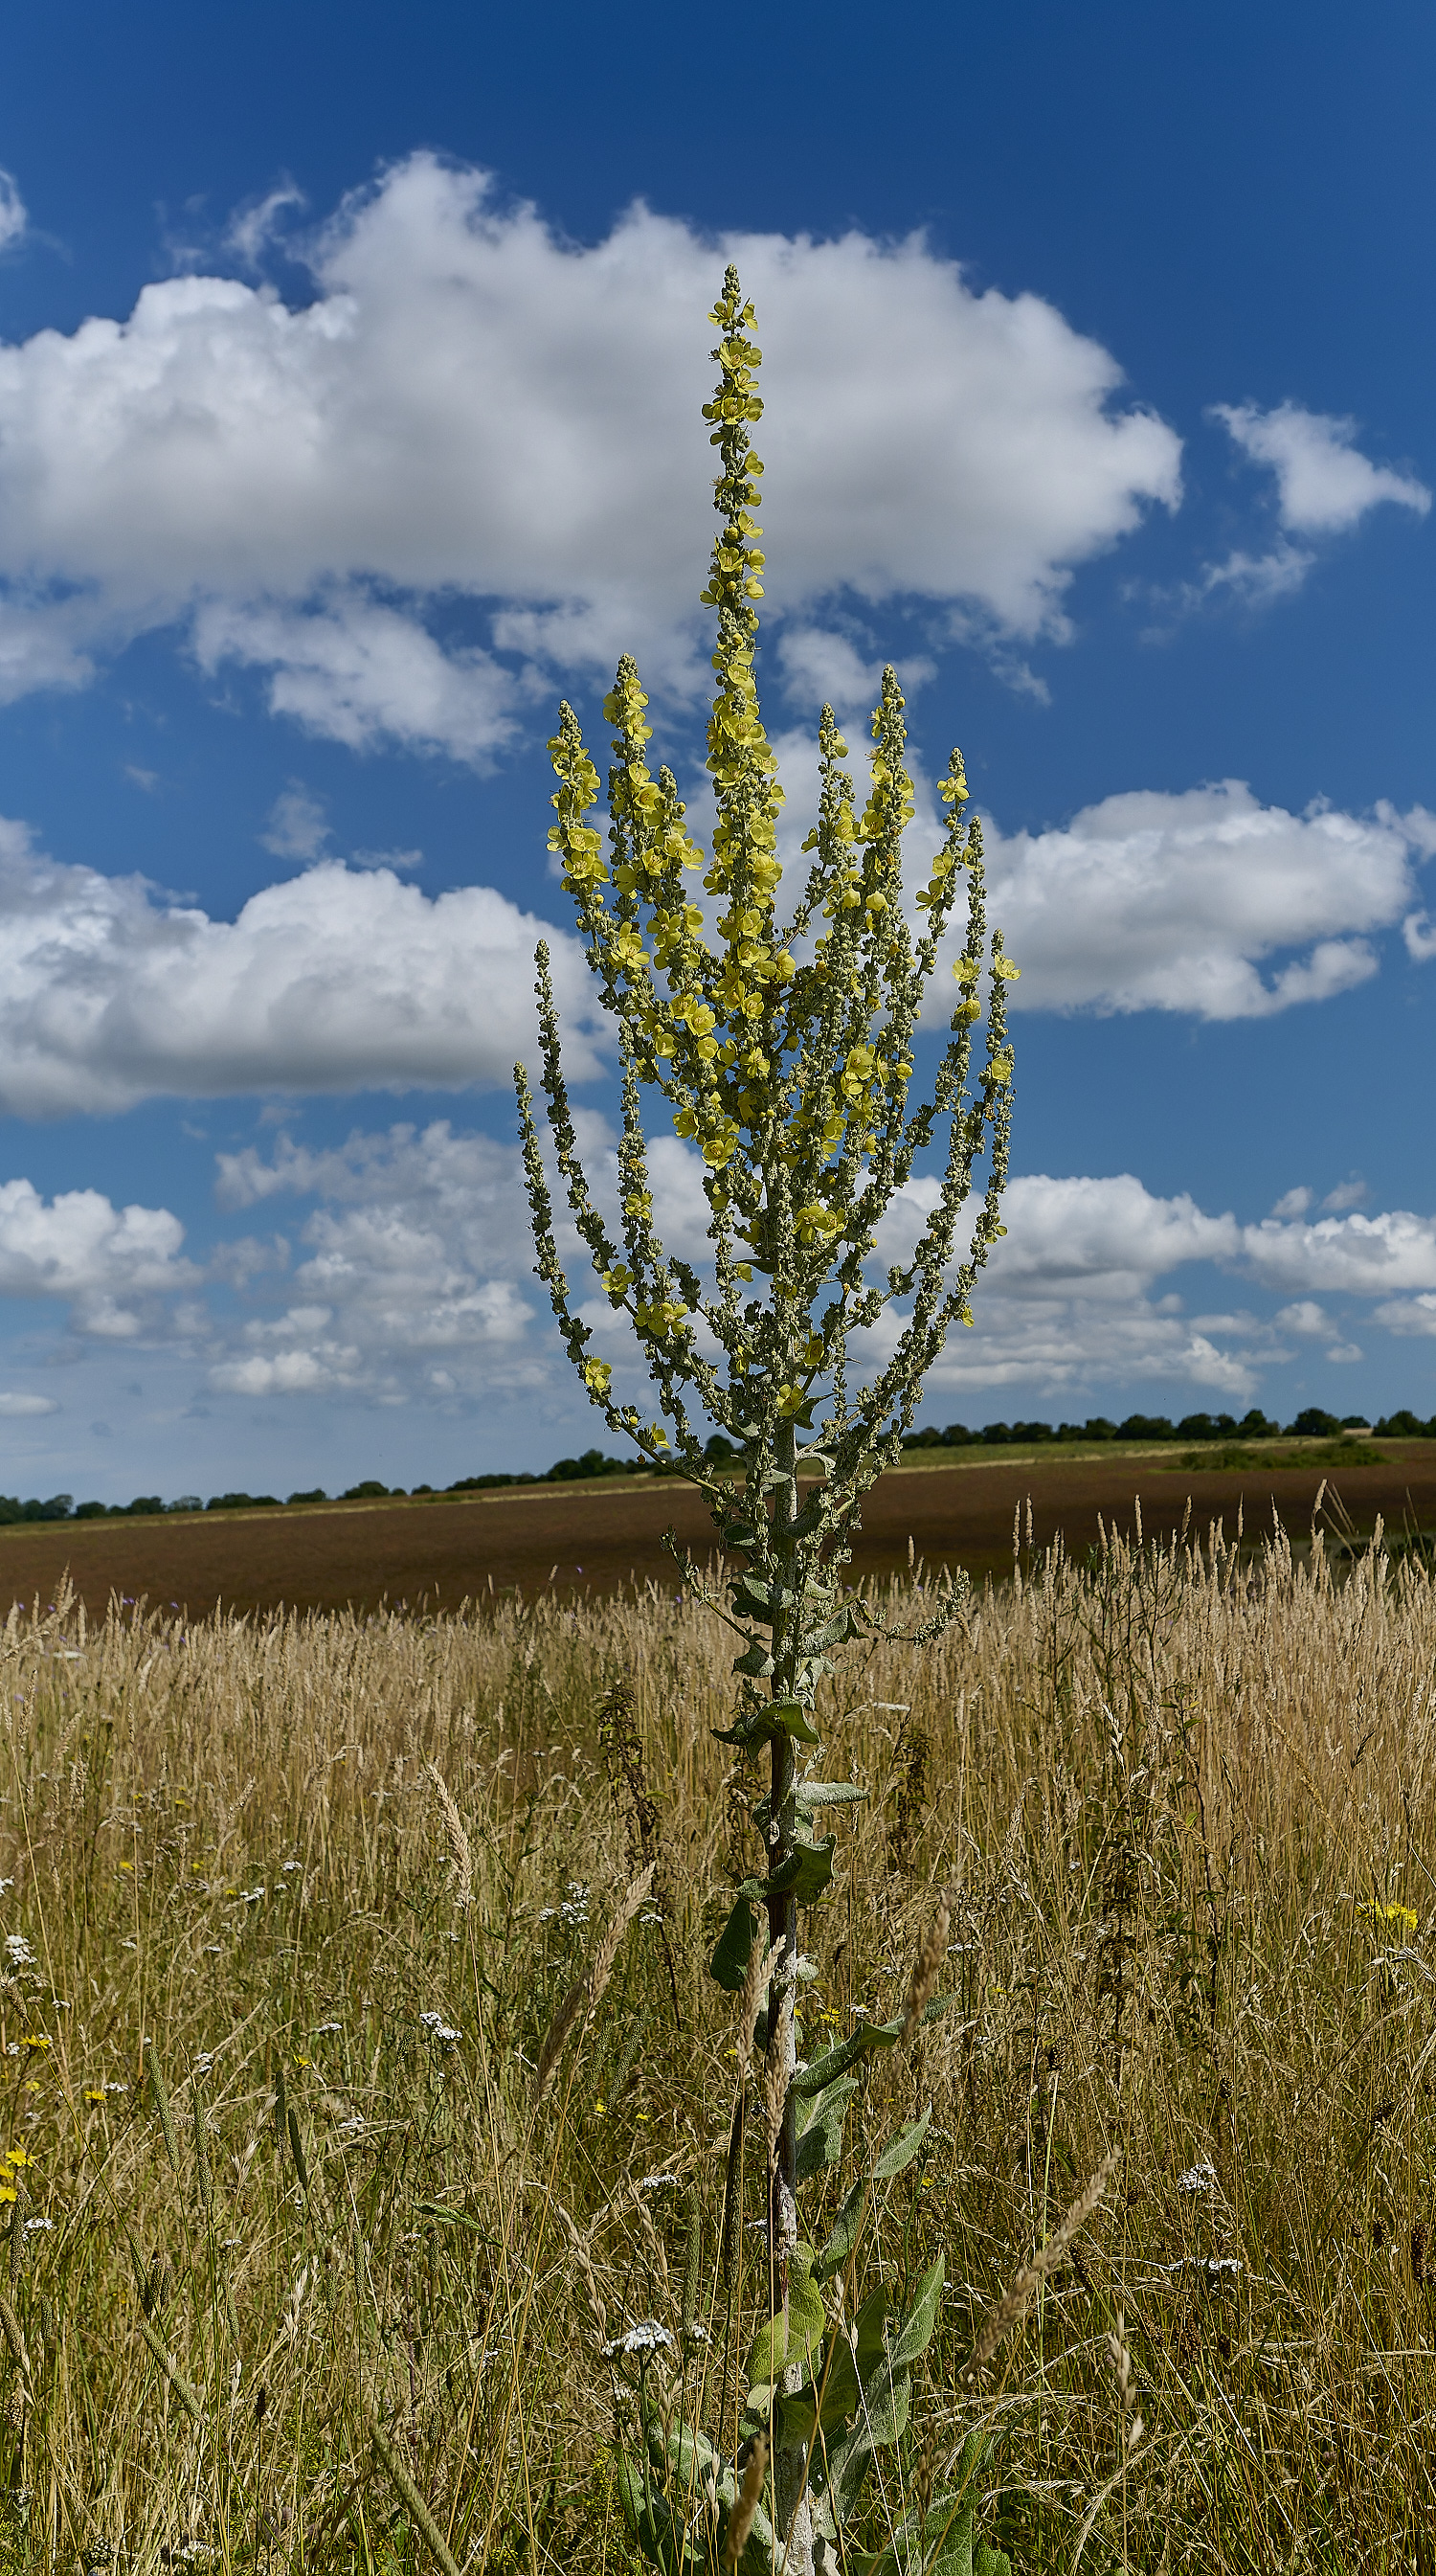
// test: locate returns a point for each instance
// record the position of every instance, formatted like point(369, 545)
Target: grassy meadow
point(297, 2272)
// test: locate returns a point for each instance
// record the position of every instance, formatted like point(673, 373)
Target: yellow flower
point(92, 2094)
point(596, 1374)
point(6, 2193)
point(1402, 1915)
point(35, 2039)
point(17, 2157)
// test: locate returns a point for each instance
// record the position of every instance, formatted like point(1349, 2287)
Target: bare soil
point(597, 1538)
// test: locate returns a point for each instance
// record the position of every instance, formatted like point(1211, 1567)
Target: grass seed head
point(740, 2521)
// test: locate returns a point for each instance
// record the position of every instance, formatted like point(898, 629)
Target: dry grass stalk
point(749, 2497)
point(763, 1959)
point(926, 1969)
point(424, 2522)
point(1121, 2360)
point(585, 1996)
point(204, 2180)
point(207, 1761)
point(161, 2097)
point(10, 2326)
point(459, 1845)
point(1012, 2305)
point(182, 2385)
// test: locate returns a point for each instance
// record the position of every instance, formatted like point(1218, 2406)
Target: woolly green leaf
point(886, 2400)
point(793, 1720)
point(729, 1963)
point(921, 2320)
point(650, 2519)
point(820, 2140)
point(804, 1874)
point(807, 2318)
point(757, 1661)
point(838, 2382)
point(902, 2149)
point(868, 2325)
point(831, 1633)
point(868, 2036)
point(847, 2227)
point(947, 2531)
point(760, 1725)
point(835, 2383)
point(767, 2355)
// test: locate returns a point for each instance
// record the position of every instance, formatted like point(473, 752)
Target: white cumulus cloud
point(337, 979)
point(470, 404)
point(1324, 483)
point(107, 1264)
point(1365, 1255)
point(410, 1284)
point(1409, 1315)
point(353, 672)
point(1154, 901)
point(413, 1281)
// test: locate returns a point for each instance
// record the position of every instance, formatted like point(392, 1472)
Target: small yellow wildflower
point(1402, 1915)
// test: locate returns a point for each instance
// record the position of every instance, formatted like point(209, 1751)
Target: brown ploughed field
point(597, 1538)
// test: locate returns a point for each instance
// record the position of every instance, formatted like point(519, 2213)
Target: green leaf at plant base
point(919, 2324)
point(835, 2380)
point(729, 1963)
point(847, 2227)
point(868, 2036)
point(868, 2324)
point(902, 2149)
point(944, 2547)
point(650, 2519)
point(887, 2397)
point(820, 2135)
point(791, 2338)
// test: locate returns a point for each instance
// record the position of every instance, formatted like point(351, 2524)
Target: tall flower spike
point(781, 1053)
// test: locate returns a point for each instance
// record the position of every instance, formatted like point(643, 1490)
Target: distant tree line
point(1312, 1424)
point(63, 1507)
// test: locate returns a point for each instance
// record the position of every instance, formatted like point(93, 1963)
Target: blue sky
point(349, 402)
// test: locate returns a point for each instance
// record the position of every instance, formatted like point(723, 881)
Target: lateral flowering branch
point(780, 1044)
point(791, 1078)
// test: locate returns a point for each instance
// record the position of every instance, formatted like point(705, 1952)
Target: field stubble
point(300, 2273)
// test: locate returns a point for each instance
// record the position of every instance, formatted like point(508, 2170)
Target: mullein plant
point(782, 1051)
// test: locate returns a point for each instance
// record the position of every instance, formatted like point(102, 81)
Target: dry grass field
point(434, 1553)
point(298, 2274)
